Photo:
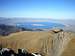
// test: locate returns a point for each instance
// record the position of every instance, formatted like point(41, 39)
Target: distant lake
point(39, 25)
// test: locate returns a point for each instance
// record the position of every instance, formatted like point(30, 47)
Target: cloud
point(42, 20)
point(38, 24)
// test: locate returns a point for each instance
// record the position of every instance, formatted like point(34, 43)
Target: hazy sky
point(57, 9)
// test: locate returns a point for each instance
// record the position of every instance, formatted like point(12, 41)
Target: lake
point(39, 25)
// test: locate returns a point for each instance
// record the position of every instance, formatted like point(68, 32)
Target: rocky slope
point(46, 43)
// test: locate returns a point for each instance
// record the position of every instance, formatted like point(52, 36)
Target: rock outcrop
point(46, 43)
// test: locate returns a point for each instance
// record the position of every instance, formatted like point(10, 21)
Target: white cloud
point(40, 20)
point(38, 24)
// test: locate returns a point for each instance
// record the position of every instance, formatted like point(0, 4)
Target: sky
point(56, 9)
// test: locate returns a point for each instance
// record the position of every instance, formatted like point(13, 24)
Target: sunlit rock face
point(46, 43)
point(70, 48)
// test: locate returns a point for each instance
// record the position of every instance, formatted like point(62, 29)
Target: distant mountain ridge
point(8, 29)
point(13, 21)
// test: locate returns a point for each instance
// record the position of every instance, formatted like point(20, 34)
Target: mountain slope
point(46, 43)
point(32, 41)
point(70, 49)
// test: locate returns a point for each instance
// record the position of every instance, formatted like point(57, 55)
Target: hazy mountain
point(70, 23)
point(7, 29)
